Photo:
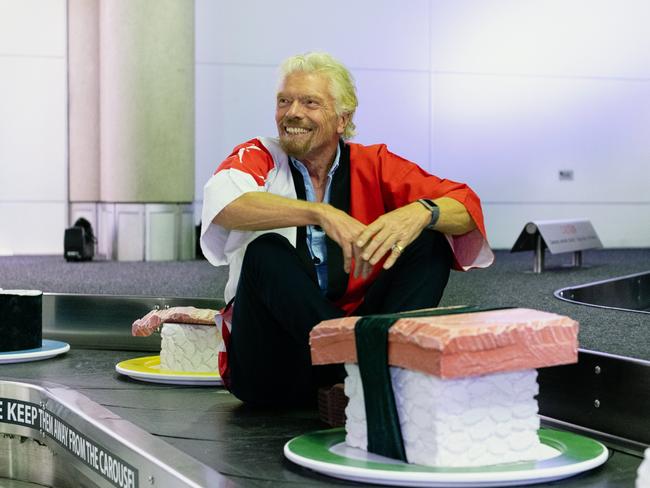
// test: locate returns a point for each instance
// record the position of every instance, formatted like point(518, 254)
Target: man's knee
point(268, 243)
point(265, 249)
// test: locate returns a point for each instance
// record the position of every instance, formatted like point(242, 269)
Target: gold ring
point(396, 248)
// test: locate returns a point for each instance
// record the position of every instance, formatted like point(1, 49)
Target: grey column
point(83, 100)
point(147, 101)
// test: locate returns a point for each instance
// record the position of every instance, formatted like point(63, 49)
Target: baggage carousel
point(72, 421)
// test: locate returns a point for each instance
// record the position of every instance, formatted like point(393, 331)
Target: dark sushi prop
point(20, 320)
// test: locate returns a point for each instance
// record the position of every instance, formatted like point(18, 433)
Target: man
point(315, 228)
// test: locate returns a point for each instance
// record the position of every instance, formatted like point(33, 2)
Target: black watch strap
point(433, 208)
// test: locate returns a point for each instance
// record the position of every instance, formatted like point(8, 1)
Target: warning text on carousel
point(118, 472)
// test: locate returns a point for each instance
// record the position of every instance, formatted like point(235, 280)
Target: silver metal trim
point(153, 458)
point(617, 357)
point(568, 293)
point(104, 321)
point(626, 445)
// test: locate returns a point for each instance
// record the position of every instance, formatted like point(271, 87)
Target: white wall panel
point(33, 129)
point(377, 34)
point(130, 232)
point(394, 110)
point(161, 232)
point(32, 227)
point(234, 104)
point(551, 37)
point(32, 27)
point(187, 232)
point(623, 225)
point(106, 234)
point(509, 136)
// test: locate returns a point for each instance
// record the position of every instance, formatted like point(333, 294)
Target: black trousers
point(278, 303)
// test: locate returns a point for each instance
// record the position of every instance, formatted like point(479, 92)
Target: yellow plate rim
point(149, 367)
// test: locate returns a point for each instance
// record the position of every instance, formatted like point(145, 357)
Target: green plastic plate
point(563, 454)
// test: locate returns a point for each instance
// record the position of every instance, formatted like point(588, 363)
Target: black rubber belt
point(371, 336)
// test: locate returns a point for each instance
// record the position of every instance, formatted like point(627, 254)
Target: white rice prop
point(643, 479)
point(471, 421)
point(191, 348)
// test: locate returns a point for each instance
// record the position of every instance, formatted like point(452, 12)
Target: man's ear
point(344, 118)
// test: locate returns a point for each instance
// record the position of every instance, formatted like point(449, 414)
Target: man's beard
point(295, 149)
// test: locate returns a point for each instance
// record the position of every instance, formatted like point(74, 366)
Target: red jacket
point(369, 182)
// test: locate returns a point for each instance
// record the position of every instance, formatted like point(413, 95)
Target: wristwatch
point(433, 208)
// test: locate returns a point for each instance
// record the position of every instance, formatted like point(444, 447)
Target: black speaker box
point(79, 242)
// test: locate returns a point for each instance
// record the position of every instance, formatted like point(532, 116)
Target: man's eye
point(313, 103)
point(283, 102)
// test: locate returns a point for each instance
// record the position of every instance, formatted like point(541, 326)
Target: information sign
point(558, 236)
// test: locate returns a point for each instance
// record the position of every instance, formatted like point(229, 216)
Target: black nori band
point(384, 433)
point(382, 420)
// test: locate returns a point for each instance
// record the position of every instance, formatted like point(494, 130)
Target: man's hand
point(345, 230)
point(392, 232)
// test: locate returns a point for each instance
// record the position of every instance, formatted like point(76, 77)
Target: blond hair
point(340, 79)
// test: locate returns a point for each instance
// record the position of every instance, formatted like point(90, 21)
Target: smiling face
point(305, 114)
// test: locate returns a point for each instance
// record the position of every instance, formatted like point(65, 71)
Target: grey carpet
point(163, 278)
point(509, 282)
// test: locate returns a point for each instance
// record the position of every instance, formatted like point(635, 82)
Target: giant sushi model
point(643, 478)
point(463, 384)
point(189, 338)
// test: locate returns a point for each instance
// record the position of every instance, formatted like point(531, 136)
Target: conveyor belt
point(245, 444)
point(211, 426)
point(628, 293)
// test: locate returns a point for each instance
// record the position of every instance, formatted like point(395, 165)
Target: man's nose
point(295, 109)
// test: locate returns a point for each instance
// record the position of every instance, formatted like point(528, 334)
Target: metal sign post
point(558, 236)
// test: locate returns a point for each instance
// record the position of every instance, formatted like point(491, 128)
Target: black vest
point(339, 198)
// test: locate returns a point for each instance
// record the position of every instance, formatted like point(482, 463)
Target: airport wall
point(542, 107)
point(33, 126)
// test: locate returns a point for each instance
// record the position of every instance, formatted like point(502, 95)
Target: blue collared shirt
point(315, 236)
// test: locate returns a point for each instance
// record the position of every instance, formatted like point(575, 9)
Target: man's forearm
point(454, 218)
point(264, 211)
